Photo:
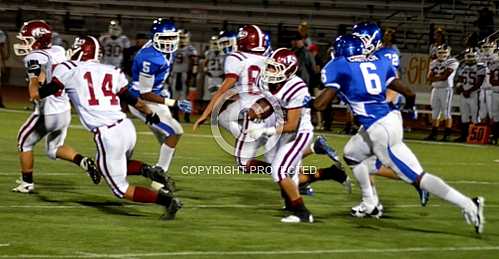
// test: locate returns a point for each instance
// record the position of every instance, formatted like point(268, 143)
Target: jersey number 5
point(107, 86)
point(371, 79)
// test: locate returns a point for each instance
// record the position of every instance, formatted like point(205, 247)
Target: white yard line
point(3, 245)
point(268, 252)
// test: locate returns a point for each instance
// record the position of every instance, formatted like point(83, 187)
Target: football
point(261, 109)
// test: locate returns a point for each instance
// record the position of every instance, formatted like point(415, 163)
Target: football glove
point(34, 69)
point(412, 113)
point(152, 118)
point(259, 132)
point(308, 101)
point(184, 106)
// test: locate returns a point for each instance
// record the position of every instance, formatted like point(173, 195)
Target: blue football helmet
point(227, 42)
point(348, 46)
point(370, 34)
point(268, 43)
point(164, 34)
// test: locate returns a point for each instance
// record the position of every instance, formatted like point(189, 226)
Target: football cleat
point(305, 218)
point(364, 210)
point(477, 218)
point(88, 165)
point(306, 190)
point(156, 174)
point(424, 196)
point(173, 206)
point(321, 147)
point(24, 187)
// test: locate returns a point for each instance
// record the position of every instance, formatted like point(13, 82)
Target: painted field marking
point(268, 252)
point(3, 245)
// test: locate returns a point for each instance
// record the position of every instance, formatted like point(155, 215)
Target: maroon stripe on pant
point(298, 150)
point(26, 130)
point(102, 157)
point(283, 162)
point(240, 140)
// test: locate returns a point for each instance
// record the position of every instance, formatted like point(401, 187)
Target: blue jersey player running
point(362, 82)
point(151, 67)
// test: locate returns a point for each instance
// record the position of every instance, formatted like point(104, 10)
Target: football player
point(242, 69)
point(184, 70)
point(114, 44)
point(493, 69)
point(441, 75)
point(486, 56)
point(470, 77)
point(213, 69)
point(151, 67)
point(52, 116)
point(362, 81)
point(96, 91)
point(370, 34)
point(227, 42)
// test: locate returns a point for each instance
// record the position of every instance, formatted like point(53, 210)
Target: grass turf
point(231, 216)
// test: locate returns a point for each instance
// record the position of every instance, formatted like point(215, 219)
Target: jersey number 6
point(371, 79)
point(107, 86)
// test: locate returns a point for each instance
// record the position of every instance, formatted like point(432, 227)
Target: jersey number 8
point(371, 79)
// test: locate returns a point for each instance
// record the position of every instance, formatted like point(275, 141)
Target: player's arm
point(146, 84)
point(410, 96)
point(330, 77)
point(478, 82)
point(126, 97)
point(493, 79)
point(324, 99)
point(33, 71)
point(292, 121)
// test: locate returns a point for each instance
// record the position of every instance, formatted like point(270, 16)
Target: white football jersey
point(467, 75)
point(48, 59)
point(438, 67)
point(493, 69)
point(182, 59)
point(113, 49)
point(487, 60)
point(246, 68)
point(214, 63)
point(93, 89)
point(292, 95)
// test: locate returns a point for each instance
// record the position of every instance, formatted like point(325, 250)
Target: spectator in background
point(306, 61)
point(485, 23)
point(3, 58)
point(315, 85)
point(438, 39)
point(129, 53)
point(303, 31)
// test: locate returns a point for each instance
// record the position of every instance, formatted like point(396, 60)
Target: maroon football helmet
point(34, 34)
point(85, 48)
point(280, 66)
point(251, 39)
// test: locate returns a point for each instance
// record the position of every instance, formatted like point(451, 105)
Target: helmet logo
point(38, 32)
point(291, 59)
point(242, 34)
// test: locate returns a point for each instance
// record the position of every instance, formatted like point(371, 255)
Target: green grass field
point(237, 216)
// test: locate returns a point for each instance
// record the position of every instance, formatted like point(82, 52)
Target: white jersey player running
point(470, 77)
point(51, 117)
point(242, 69)
point(441, 75)
point(113, 44)
point(96, 90)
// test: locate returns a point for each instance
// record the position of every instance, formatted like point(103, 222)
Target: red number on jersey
point(92, 101)
point(253, 73)
point(107, 86)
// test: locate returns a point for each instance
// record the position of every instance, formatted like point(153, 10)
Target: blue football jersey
point(153, 65)
point(392, 54)
point(362, 84)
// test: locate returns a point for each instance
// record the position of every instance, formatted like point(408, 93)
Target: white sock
point(438, 187)
point(165, 157)
point(375, 195)
point(361, 173)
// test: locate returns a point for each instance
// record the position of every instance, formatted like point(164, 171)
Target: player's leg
point(229, 118)
point(288, 157)
point(245, 146)
point(483, 112)
point(57, 126)
point(465, 110)
point(387, 135)
point(112, 161)
point(435, 112)
point(29, 134)
point(447, 106)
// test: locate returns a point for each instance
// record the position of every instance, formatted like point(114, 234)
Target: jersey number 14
point(107, 86)
point(371, 79)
